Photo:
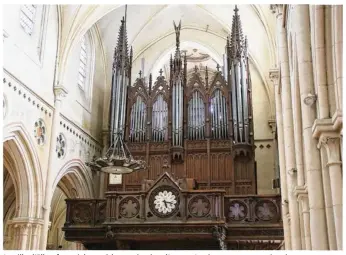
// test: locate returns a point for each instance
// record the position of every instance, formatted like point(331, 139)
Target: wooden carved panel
point(157, 165)
point(197, 166)
point(259, 209)
point(197, 145)
point(221, 166)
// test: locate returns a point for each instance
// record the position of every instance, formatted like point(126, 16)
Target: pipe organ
point(194, 130)
point(193, 127)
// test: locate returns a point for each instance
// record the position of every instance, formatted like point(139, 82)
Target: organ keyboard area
point(194, 123)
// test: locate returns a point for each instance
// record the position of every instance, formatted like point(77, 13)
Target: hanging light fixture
point(118, 158)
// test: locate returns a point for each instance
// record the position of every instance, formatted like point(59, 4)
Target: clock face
point(164, 201)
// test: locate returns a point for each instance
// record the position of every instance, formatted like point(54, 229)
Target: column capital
point(274, 75)
point(60, 92)
point(321, 126)
point(301, 192)
point(20, 220)
point(331, 142)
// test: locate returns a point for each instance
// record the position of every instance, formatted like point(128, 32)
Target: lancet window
point(196, 117)
point(138, 121)
point(218, 112)
point(159, 119)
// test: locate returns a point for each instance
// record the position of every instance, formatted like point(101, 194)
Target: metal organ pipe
point(234, 104)
point(245, 100)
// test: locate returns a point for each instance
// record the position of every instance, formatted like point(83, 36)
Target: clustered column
point(309, 131)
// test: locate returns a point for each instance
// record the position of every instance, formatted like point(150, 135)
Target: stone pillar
point(332, 147)
point(328, 199)
point(22, 240)
point(300, 14)
point(337, 35)
point(318, 26)
point(60, 93)
point(303, 199)
point(288, 136)
point(274, 76)
point(36, 228)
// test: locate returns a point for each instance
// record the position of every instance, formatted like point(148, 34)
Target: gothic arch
point(22, 163)
point(74, 174)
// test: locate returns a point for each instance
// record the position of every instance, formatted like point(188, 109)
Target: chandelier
point(118, 158)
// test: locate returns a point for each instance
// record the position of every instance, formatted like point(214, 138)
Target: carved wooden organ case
point(194, 127)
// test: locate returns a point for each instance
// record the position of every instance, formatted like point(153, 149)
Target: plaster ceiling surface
point(151, 32)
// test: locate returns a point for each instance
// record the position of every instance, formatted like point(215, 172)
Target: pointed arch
point(23, 165)
point(75, 174)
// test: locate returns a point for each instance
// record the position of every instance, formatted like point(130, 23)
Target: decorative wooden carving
point(203, 214)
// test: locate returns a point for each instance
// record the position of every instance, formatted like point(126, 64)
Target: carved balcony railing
point(85, 213)
point(195, 206)
point(135, 207)
point(250, 210)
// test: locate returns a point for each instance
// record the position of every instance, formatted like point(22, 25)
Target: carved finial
point(218, 67)
point(140, 74)
point(196, 69)
point(236, 43)
point(161, 72)
point(177, 38)
point(177, 33)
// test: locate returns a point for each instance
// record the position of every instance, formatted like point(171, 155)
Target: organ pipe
point(177, 74)
point(237, 58)
point(196, 118)
point(121, 72)
point(219, 117)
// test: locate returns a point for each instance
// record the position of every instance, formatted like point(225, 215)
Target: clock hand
point(164, 201)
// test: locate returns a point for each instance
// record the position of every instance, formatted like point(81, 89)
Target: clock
point(164, 201)
point(115, 179)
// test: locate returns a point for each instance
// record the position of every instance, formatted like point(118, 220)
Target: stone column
point(303, 199)
point(23, 230)
point(300, 14)
point(35, 237)
point(59, 92)
point(318, 25)
point(274, 76)
point(289, 137)
point(332, 147)
point(337, 35)
point(328, 199)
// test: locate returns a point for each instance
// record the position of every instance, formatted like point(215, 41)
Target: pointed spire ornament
point(118, 158)
point(237, 39)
